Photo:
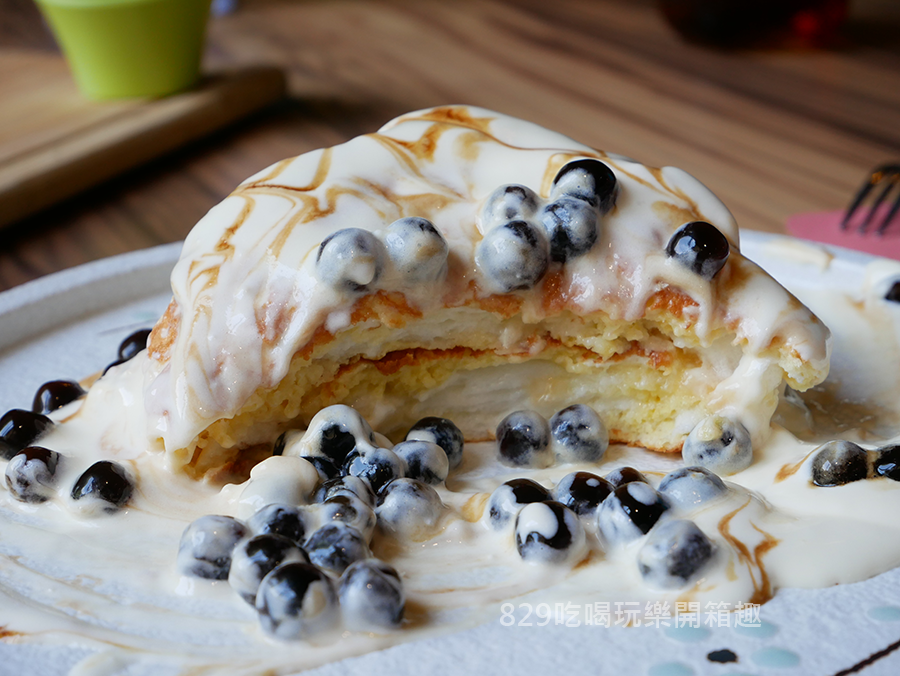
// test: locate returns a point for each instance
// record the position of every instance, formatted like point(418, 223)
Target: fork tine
point(873, 208)
point(893, 212)
point(864, 190)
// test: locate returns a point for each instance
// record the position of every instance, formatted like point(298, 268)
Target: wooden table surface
point(772, 132)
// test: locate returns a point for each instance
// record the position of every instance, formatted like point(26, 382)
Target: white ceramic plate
point(69, 324)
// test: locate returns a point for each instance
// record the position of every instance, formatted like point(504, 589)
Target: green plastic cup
point(130, 48)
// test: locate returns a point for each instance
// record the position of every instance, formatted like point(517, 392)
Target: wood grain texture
point(54, 144)
point(773, 133)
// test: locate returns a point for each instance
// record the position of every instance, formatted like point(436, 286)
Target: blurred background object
point(773, 132)
point(755, 23)
point(128, 48)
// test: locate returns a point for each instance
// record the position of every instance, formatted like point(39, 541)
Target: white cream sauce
point(109, 582)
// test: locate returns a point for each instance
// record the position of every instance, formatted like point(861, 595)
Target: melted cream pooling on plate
point(110, 582)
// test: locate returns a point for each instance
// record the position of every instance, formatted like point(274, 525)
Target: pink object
point(825, 227)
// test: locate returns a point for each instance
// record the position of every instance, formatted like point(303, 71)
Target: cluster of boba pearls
point(303, 561)
point(550, 526)
point(355, 260)
point(841, 462)
point(33, 472)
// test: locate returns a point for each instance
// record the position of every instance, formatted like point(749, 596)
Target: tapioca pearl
point(378, 466)
point(629, 512)
point(893, 293)
point(371, 597)
point(689, 487)
point(296, 601)
point(346, 485)
point(509, 203)
point(625, 475)
point(675, 553)
point(253, 559)
point(582, 492)
point(287, 521)
point(206, 546)
point(103, 488)
point(335, 546)
point(56, 394)
point(133, 344)
point(20, 428)
point(332, 433)
point(350, 260)
point(417, 250)
point(425, 461)
point(839, 462)
point(408, 509)
point(700, 247)
point(578, 434)
point(719, 444)
point(442, 432)
point(887, 462)
point(280, 479)
point(351, 510)
point(326, 469)
point(589, 180)
point(31, 474)
point(508, 499)
point(549, 532)
point(571, 226)
point(523, 438)
point(513, 256)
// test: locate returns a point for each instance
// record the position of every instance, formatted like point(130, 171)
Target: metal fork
point(887, 175)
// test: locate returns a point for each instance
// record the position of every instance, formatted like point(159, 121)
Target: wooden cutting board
point(54, 143)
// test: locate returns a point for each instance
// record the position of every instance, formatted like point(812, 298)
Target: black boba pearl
point(510, 203)
point(207, 544)
point(351, 510)
point(506, 501)
point(106, 481)
point(629, 511)
point(524, 440)
point(417, 249)
point(372, 597)
point(442, 432)
point(295, 601)
point(689, 487)
point(839, 462)
point(425, 461)
point(20, 428)
point(893, 294)
point(571, 225)
point(56, 394)
point(336, 442)
point(624, 475)
point(513, 256)
point(285, 520)
point(136, 342)
point(351, 259)
point(536, 542)
point(887, 462)
point(701, 247)
point(335, 546)
point(31, 474)
point(579, 434)
point(346, 485)
point(582, 492)
point(327, 470)
point(589, 180)
point(378, 466)
point(253, 559)
point(675, 552)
